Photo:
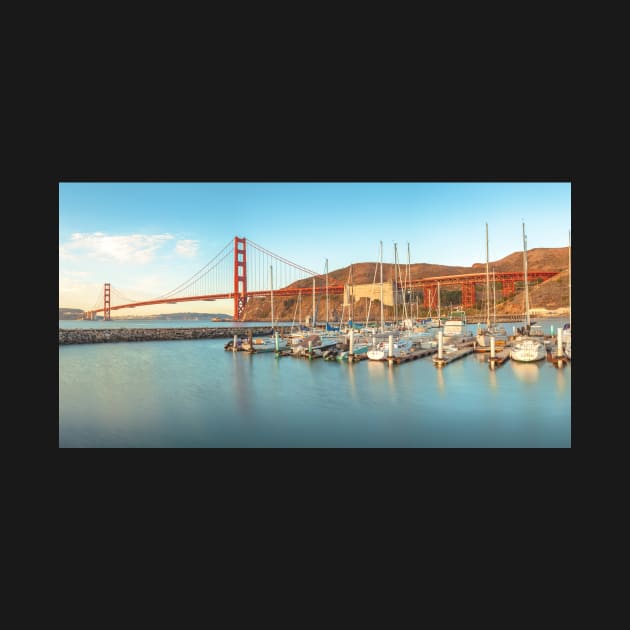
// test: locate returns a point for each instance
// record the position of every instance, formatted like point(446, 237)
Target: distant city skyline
point(147, 238)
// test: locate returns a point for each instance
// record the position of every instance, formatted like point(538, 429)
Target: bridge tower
point(508, 288)
point(107, 304)
point(240, 277)
point(468, 294)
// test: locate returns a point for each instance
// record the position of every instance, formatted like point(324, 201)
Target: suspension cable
point(310, 272)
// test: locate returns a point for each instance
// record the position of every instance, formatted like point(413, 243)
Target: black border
point(417, 146)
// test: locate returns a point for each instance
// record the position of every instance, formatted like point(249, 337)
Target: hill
point(539, 258)
point(552, 294)
point(549, 295)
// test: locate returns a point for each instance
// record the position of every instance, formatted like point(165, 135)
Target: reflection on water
point(352, 385)
point(492, 379)
point(240, 364)
point(375, 369)
point(526, 372)
point(390, 378)
point(440, 381)
point(193, 393)
point(560, 380)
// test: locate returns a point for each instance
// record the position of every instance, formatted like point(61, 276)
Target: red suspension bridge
point(243, 270)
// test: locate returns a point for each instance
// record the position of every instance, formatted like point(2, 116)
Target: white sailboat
point(527, 348)
point(430, 321)
point(380, 350)
point(484, 335)
point(400, 347)
point(272, 343)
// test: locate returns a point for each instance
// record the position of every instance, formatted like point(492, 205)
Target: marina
point(178, 329)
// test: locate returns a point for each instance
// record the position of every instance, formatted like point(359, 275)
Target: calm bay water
point(193, 393)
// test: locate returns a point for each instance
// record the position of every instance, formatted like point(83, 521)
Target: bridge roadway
point(335, 289)
point(467, 282)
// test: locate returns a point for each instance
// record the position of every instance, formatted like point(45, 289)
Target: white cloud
point(64, 254)
point(130, 248)
point(187, 248)
point(77, 294)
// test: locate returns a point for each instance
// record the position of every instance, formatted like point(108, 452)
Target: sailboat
point(433, 322)
point(566, 332)
point(380, 351)
point(314, 341)
point(527, 348)
point(484, 335)
point(267, 344)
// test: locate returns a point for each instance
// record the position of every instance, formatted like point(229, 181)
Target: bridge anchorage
point(241, 272)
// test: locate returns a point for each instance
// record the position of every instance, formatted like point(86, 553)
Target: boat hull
point(527, 351)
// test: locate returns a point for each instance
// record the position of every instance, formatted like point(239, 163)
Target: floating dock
point(453, 356)
point(558, 361)
point(412, 356)
point(499, 359)
point(486, 349)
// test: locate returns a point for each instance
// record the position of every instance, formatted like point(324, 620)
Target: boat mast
point(487, 281)
point(367, 318)
point(527, 319)
point(314, 314)
point(351, 309)
point(382, 315)
point(326, 292)
point(403, 290)
point(395, 284)
point(494, 299)
point(408, 281)
point(271, 283)
point(438, 304)
point(570, 280)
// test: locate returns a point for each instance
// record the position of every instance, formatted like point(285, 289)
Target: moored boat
point(485, 335)
point(527, 349)
point(529, 346)
point(455, 330)
point(400, 347)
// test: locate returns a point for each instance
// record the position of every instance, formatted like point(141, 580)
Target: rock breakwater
point(114, 335)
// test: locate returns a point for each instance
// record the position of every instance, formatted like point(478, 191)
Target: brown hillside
point(553, 293)
point(363, 273)
point(539, 258)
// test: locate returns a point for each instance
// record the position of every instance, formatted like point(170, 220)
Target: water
point(192, 393)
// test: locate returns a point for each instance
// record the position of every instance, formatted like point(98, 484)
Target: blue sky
point(147, 238)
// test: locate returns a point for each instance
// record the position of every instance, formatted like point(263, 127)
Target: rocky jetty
point(113, 335)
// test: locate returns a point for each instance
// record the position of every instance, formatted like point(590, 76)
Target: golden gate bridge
point(241, 271)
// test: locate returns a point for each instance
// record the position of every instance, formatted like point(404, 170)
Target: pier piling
point(559, 360)
point(351, 345)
